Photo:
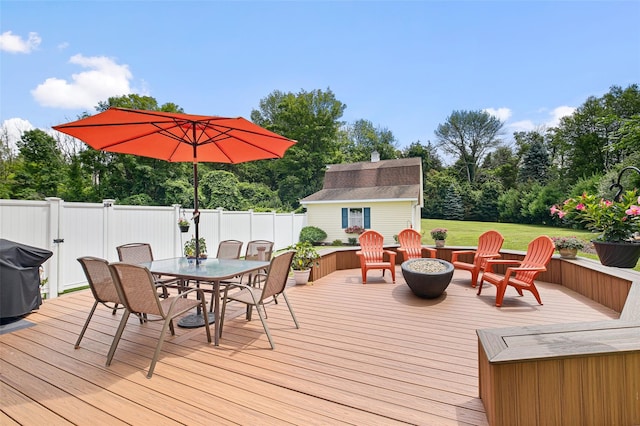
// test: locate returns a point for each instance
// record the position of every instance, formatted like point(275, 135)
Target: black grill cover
point(20, 278)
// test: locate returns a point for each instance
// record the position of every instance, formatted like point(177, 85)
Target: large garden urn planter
point(427, 278)
point(619, 254)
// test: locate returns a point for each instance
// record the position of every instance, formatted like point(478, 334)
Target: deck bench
point(573, 373)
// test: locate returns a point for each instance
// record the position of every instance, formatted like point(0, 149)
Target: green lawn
point(516, 236)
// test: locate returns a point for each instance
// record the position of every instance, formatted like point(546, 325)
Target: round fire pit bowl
point(427, 278)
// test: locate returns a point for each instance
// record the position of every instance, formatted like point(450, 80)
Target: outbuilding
point(384, 195)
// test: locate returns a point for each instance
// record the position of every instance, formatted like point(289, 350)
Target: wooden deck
point(365, 355)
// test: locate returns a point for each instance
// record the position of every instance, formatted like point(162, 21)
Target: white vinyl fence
point(71, 230)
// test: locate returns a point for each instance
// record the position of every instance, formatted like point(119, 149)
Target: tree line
point(490, 180)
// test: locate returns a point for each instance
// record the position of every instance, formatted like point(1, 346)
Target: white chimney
point(375, 156)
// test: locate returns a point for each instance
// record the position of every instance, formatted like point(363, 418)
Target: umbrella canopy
point(178, 137)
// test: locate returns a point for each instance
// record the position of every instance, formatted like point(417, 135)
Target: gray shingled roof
point(381, 180)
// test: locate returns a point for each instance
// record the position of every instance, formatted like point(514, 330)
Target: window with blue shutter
point(345, 217)
point(367, 218)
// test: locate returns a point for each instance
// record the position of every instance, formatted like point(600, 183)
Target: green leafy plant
point(183, 222)
point(613, 221)
point(439, 233)
point(190, 247)
point(568, 243)
point(312, 234)
point(306, 256)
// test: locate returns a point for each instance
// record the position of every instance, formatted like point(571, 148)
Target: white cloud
point(522, 126)
point(103, 79)
point(12, 43)
point(558, 113)
point(11, 131)
point(63, 45)
point(502, 114)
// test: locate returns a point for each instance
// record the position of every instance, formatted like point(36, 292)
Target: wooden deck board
point(365, 354)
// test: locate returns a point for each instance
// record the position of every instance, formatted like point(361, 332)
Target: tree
point(312, 119)
point(600, 133)
point(452, 206)
point(430, 158)
point(502, 164)
point(220, 189)
point(469, 135)
point(41, 171)
point(535, 161)
point(258, 196)
point(363, 139)
point(487, 205)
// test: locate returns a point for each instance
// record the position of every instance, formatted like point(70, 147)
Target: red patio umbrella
point(178, 137)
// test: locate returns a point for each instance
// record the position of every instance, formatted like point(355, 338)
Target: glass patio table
point(210, 270)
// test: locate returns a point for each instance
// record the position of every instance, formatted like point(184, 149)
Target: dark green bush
point(312, 234)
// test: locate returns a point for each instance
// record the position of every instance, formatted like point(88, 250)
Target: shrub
point(312, 234)
point(336, 243)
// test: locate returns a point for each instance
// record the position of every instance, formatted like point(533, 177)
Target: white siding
point(388, 218)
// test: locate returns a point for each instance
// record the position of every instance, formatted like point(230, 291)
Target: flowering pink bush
point(614, 221)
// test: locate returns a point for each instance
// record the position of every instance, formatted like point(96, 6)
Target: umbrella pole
point(196, 212)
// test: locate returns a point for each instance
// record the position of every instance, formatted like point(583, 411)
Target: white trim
point(376, 200)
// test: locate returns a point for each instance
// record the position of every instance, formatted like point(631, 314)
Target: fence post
point(107, 226)
point(177, 233)
point(251, 219)
point(55, 233)
point(220, 211)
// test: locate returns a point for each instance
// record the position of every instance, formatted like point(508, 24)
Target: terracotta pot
point(568, 253)
point(619, 255)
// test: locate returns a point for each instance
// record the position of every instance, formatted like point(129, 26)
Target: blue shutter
point(345, 217)
point(367, 218)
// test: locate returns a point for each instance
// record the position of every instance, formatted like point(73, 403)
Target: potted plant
point(190, 248)
point(183, 224)
point(616, 224)
point(439, 235)
point(568, 246)
point(304, 259)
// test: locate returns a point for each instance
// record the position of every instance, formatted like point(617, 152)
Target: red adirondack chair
point(372, 255)
point(411, 245)
point(522, 276)
point(489, 245)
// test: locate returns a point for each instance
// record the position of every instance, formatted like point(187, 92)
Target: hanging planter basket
point(619, 255)
point(184, 228)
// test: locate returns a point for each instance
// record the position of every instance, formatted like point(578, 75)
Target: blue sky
point(404, 66)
